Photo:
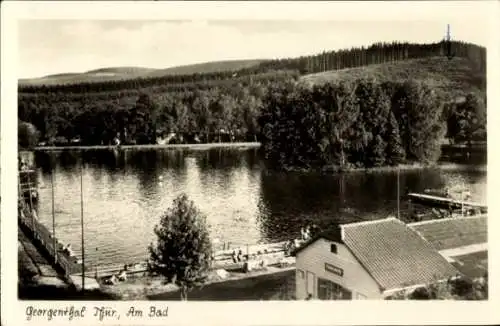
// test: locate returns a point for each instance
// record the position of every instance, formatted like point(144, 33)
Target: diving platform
point(445, 202)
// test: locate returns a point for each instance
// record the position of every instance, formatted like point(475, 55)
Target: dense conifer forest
point(363, 121)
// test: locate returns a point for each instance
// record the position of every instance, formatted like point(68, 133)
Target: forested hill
point(96, 81)
point(202, 106)
point(126, 73)
point(451, 78)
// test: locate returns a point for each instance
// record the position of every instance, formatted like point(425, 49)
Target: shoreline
point(150, 146)
point(205, 145)
point(442, 165)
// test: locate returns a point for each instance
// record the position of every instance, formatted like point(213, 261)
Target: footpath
point(38, 280)
point(33, 266)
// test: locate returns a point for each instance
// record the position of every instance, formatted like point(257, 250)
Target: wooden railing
point(44, 240)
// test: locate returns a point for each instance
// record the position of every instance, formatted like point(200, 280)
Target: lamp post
point(54, 242)
point(97, 262)
point(81, 222)
point(398, 190)
point(463, 191)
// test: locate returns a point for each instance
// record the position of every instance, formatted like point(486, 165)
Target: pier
point(272, 253)
point(446, 203)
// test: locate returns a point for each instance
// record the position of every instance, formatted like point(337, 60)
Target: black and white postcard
point(187, 162)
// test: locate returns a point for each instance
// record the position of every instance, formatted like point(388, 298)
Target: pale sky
point(61, 46)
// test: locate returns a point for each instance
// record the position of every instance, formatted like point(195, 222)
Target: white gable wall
point(355, 278)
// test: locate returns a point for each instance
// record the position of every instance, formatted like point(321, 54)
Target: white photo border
point(246, 313)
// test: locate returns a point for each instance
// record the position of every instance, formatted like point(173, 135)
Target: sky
point(63, 46)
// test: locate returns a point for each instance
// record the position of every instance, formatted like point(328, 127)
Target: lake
point(125, 193)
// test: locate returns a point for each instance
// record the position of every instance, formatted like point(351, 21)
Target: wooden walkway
point(443, 202)
point(43, 240)
point(273, 253)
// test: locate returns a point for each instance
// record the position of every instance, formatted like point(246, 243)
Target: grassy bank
point(276, 286)
point(236, 285)
point(152, 146)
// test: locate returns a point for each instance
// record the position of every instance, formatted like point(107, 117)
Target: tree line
point(371, 115)
point(206, 109)
point(209, 112)
point(362, 124)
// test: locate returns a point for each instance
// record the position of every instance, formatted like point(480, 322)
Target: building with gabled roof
point(454, 232)
point(367, 260)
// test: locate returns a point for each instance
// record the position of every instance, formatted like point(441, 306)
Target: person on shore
point(289, 247)
point(314, 230)
point(308, 232)
point(240, 254)
point(68, 250)
point(111, 281)
point(305, 233)
point(286, 247)
point(23, 166)
point(122, 276)
point(233, 256)
point(34, 214)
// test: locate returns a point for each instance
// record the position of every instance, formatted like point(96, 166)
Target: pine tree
point(377, 151)
point(421, 118)
point(395, 153)
point(183, 250)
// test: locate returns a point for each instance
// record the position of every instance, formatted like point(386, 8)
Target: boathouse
point(367, 260)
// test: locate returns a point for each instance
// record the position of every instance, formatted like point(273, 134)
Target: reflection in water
point(126, 192)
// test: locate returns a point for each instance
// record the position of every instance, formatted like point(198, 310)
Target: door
point(310, 284)
point(328, 290)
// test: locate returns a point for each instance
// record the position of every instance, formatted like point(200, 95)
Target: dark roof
point(455, 232)
point(394, 255)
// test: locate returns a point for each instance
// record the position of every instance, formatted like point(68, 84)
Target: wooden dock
point(446, 203)
point(273, 253)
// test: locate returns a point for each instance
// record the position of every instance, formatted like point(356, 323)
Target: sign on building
point(334, 269)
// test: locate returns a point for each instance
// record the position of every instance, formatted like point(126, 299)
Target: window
point(333, 248)
point(328, 290)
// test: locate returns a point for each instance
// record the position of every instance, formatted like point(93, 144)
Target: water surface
point(126, 192)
